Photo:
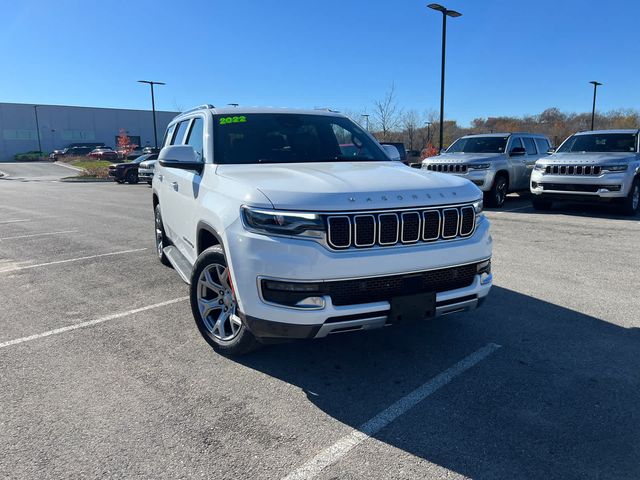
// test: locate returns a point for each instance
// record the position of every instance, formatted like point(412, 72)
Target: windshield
point(600, 142)
point(478, 145)
point(291, 138)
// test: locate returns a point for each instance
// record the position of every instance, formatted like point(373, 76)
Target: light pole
point(35, 109)
point(366, 119)
point(593, 110)
point(153, 107)
point(445, 13)
point(428, 124)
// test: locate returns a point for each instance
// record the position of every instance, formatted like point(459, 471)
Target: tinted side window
point(178, 138)
point(195, 136)
point(515, 142)
point(529, 145)
point(168, 135)
point(543, 145)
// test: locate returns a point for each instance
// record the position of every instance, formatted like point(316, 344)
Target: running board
point(179, 263)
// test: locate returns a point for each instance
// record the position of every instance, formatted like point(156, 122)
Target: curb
point(85, 180)
point(68, 166)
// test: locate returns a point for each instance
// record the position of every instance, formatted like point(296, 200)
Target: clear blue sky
point(503, 57)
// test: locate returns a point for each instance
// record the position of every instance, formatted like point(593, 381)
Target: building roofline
point(84, 106)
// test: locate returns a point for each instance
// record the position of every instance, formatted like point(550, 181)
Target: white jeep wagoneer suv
point(296, 224)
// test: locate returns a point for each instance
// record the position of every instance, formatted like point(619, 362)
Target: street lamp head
point(440, 8)
point(151, 82)
point(593, 82)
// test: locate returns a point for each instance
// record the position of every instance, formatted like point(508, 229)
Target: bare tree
point(387, 113)
point(410, 126)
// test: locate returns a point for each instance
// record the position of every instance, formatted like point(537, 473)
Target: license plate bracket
point(410, 308)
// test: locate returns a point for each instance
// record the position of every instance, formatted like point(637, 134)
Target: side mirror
point(180, 156)
point(517, 152)
point(392, 152)
point(551, 151)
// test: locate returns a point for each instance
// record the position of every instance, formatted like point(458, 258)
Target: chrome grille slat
point(584, 170)
point(407, 226)
point(447, 167)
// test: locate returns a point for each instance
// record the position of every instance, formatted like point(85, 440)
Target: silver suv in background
point(498, 163)
point(595, 166)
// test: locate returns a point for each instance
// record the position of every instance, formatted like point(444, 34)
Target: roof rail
point(327, 109)
point(206, 106)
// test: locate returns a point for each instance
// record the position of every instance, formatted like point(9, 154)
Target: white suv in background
point(498, 163)
point(596, 166)
point(295, 224)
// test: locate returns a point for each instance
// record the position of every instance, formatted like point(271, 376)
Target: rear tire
point(498, 193)
point(540, 204)
point(214, 305)
point(631, 204)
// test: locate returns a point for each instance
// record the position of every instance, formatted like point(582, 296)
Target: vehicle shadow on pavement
point(558, 400)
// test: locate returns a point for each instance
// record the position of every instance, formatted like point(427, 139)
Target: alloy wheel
point(159, 233)
point(217, 302)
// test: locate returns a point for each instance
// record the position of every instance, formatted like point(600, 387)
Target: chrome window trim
point(444, 223)
point(424, 239)
point(419, 227)
point(355, 230)
point(386, 244)
point(329, 242)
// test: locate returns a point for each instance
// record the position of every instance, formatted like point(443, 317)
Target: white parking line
point(15, 221)
point(339, 449)
point(38, 235)
point(37, 265)
point(90, 322)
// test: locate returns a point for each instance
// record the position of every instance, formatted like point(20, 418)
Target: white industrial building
point(60, 125)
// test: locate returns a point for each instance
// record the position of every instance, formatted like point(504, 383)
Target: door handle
point(174, 185)
point(160, 177)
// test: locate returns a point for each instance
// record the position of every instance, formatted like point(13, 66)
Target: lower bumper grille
point(367, 290)
point(570, 187)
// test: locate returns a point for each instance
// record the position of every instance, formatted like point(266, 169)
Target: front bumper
point(604, 187)
point(256, 256)
point(145, 174)
point(483, 179)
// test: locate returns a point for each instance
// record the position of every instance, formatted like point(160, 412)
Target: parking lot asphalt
point(103, 373)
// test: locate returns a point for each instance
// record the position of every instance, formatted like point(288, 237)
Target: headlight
point(614, 168)
point(539, 167)
point(478, 166)
point(478, 206)
point(283, 223)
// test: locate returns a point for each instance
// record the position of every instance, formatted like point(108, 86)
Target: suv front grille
point(389, 228)
point(573, 170)
point(447, 167)
point(367, 290)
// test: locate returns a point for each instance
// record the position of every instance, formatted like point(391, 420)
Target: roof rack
point(206, 106)
point(327, 109)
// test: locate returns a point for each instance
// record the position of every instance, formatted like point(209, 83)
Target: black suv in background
point(75, 150)
point(128, 171)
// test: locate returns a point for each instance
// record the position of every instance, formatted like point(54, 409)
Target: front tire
point(214, 305)
point(161, 238)
point(631, 204)
point(498, 193)
point(131, 177)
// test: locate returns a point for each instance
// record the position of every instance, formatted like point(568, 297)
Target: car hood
point(340, 186)
point(587, 158)
point(462, 158)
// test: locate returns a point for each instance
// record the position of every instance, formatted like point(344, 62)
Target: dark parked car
point(401, 150)
point(128, 172)
point(104, 153)
point(75, 149)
